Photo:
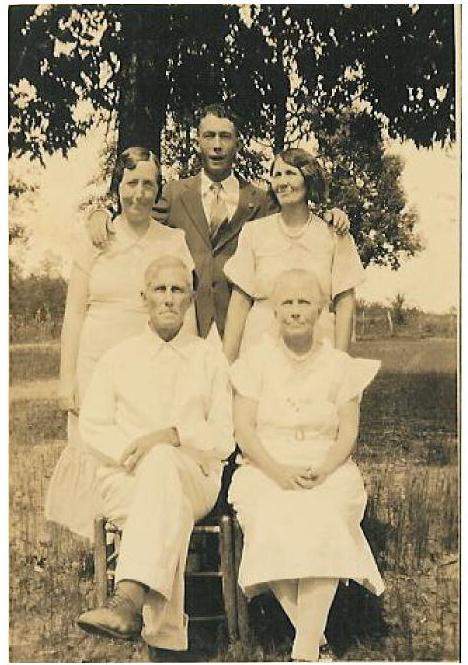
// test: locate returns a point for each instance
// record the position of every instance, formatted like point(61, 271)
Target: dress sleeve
point(347, 269)
point(184, 251)
point(240, 268)
point(246, 373)
point(357, 375)
point(84, 254)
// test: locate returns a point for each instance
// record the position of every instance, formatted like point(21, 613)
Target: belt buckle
point(300, 434)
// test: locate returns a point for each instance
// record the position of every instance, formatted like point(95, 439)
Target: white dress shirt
point(229, 192)
point(145, 384)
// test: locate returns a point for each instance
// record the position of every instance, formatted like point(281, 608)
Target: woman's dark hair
point(312, 172)
point(128, 159)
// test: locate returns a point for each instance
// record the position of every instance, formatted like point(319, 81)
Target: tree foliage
point(345, 74)
point(272, 62)
point(365, 182)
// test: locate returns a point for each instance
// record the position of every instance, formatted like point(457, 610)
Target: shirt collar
point(230, 184)
point(296, 359)
point(181, 343)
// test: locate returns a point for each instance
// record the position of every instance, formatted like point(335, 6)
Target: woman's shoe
point(326, 655)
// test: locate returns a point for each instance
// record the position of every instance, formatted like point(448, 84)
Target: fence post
point(390, 322)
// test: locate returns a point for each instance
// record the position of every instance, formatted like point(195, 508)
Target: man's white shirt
point(229, 193)
point(145, 384)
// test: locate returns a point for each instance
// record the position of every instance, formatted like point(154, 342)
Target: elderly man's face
point(217, 144)
point(297, 307)
point(167, 296)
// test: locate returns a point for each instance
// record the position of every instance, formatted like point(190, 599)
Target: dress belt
point(299, 432)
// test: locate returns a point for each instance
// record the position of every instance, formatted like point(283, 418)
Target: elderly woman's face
point(137, 190)
point(288, 183)
point(297, 307)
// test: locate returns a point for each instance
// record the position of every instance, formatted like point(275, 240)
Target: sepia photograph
point(234, 332)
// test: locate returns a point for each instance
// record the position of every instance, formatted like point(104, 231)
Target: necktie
point(218, 210)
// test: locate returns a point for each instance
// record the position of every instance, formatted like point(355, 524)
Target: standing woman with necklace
point(293, 238)
point(104, 306)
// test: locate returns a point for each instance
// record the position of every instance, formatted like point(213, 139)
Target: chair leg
point(242, 608)
point(228, 578)
point(100, 560)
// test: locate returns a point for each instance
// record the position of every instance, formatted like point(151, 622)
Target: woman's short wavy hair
point(128, 159)
point(312, 172)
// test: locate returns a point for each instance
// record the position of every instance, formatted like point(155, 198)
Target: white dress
point(115, 311)
point(293, 534)
point(265, 250)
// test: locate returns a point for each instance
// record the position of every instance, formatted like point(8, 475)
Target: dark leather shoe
point(158, 655)
point(118, 617)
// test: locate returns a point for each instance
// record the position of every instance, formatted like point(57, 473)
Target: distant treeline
point(37, 304)
point(376, 320)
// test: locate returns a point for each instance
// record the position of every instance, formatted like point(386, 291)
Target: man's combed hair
point(220, 111)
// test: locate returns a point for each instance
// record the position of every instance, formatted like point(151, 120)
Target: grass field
point(408, 455)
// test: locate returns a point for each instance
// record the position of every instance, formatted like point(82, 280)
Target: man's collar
point(228, 183)
point(180, 343)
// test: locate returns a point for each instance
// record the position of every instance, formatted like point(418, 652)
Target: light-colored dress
point(265, 250)
point(293, 534)
point(115, 311)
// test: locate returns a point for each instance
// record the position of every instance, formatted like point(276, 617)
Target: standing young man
point(211, 207)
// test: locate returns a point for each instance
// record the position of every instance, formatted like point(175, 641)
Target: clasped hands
point(134, 452)
point(293, 477)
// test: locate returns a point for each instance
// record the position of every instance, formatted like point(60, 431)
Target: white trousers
point(307, 603)
point(157, 506)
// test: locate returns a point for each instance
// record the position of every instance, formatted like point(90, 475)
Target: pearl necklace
point(294, 235)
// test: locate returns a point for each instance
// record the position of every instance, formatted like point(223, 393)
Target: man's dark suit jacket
point(181, 206)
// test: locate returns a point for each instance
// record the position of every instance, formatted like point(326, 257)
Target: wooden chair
point(243, 629)
point(106, 548)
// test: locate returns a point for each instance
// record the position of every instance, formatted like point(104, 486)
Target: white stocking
point(314, 599)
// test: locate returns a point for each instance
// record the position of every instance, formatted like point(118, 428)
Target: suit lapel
point(192, 201)
point(245, 210)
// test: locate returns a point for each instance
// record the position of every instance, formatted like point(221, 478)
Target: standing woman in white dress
point(296, 237)
point(298, 494)
point(104, 306)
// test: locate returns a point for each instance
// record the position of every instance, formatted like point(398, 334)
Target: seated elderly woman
point(299, 495)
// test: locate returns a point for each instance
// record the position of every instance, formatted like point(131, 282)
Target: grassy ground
point(408, 454)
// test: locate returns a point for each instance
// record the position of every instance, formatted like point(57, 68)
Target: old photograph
point(234, 294)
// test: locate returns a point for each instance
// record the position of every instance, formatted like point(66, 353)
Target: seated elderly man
point(158, 416)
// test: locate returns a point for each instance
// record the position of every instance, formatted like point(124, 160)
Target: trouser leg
point(165, 621)
point(167, 494)
point(314, 599)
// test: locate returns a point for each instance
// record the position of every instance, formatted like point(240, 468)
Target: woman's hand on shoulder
point(291, 476)
point(338, 219)
point(97, 226)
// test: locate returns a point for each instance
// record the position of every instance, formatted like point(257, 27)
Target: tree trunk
point(281, 83)
point(143, 86)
